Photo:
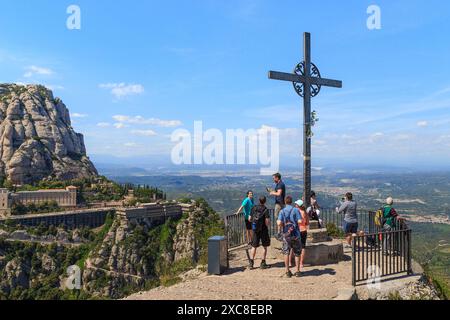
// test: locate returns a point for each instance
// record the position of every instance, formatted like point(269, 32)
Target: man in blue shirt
point(247, 206)
point(289, 220)
point(279, 193)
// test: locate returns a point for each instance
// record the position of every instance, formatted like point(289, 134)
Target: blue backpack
point(289, 225)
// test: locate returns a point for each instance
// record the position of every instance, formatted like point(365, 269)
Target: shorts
point(294, 244)
point(303, 237)
point(248, 225)
point(350, 227)
point(261, 237)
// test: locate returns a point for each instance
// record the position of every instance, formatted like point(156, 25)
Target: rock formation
point(37, 140)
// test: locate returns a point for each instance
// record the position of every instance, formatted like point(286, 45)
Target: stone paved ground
point(323, 282)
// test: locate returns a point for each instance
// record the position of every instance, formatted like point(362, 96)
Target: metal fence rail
point(381, 254)
point(366, 219)
point(236, 234)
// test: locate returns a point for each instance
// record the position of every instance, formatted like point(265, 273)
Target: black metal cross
point(307, 83)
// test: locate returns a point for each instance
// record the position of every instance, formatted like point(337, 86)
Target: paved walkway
point(323, 282)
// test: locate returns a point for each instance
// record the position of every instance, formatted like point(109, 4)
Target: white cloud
point(422, 124)
point(78, 115)
point(150, 121)
point(402, 137)
point(103, 124)
point(147, 133)
point(131, 144)
point(377, 135)
point(119, 125)
point(120, 90)
point(35, 70)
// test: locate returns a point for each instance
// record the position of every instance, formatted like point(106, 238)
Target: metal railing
point(236, 233)
point(382, 253)
point(366, 219)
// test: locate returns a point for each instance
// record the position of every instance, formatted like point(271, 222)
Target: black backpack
point(259, 217)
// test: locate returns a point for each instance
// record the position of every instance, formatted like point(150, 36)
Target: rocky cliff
point(37, 140)
point(134, 256)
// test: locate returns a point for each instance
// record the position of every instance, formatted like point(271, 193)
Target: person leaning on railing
point(390, 220)
point(247, 205)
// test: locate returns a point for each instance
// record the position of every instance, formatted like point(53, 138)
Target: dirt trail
point(321, 282)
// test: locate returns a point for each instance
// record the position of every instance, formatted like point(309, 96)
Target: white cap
point(299, 203)
point(389, 201)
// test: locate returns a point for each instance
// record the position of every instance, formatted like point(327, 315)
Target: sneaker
point(263, 265)
point(251, 264)
point(289, 274)
point(298, 274)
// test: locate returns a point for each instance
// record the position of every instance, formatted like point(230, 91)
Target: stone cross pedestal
point(320, 248)
point(317, 234)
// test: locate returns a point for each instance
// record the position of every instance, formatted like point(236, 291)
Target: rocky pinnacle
point(37, 141)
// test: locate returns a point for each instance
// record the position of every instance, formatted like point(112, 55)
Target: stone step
point(318, 235)
point(313, 225)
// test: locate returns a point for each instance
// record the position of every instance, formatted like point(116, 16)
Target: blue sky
point(137, 70)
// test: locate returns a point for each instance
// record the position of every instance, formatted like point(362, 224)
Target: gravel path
point(239, 283)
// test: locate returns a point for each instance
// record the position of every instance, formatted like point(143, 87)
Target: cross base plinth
point(323, 253)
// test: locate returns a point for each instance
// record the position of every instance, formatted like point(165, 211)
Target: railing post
point(409, 253)
point(354, 261)
point(227, 231)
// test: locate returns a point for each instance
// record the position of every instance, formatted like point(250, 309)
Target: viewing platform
point(239, 283)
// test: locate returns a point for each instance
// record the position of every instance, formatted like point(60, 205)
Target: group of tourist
point(293, 219)
point(292, 223)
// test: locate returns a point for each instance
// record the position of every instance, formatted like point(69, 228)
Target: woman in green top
point(247, 206)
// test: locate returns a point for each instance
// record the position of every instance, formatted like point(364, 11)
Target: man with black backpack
point(260, 218)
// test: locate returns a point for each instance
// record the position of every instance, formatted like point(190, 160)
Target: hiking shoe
point(289, 274)
point(251, 264)
point(298, 274)
point(263, 265)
